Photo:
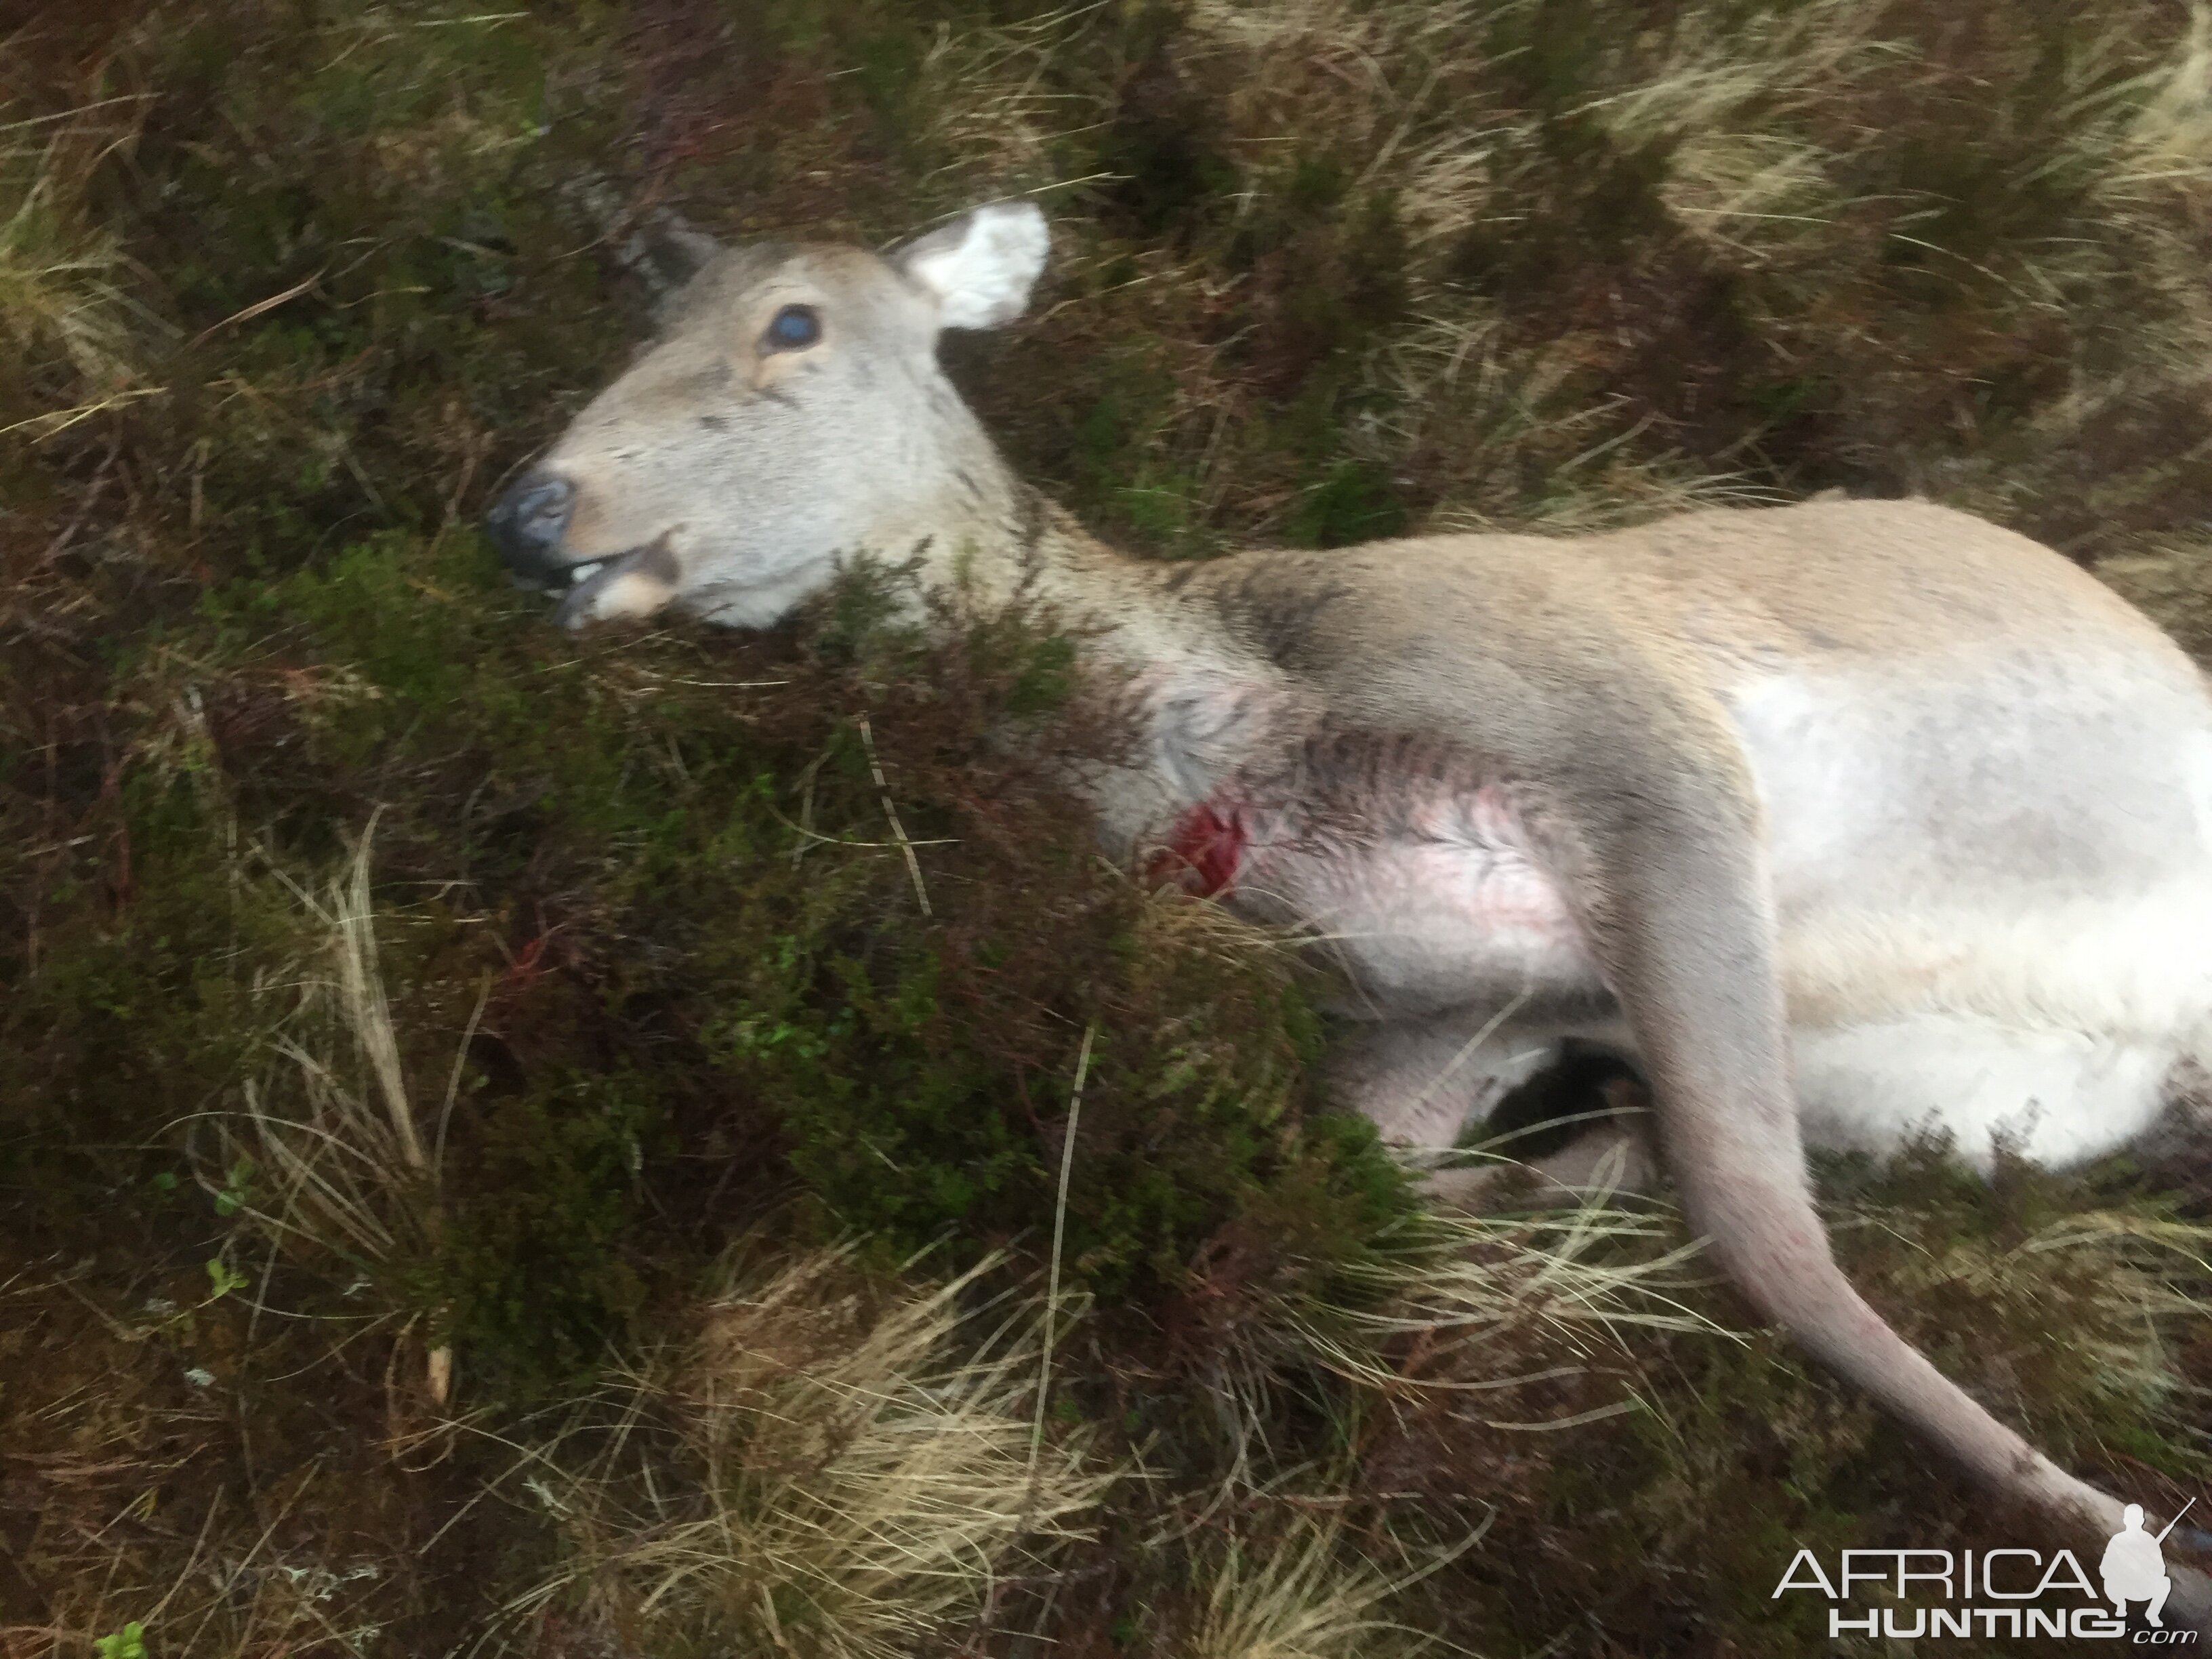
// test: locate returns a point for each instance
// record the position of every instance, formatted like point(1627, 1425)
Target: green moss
point(1353, 503)
point(528, 1275)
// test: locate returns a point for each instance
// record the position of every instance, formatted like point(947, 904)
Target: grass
point(327, 1151)
point(1307, 1593)
point(833, 1468)
point(562, 1146)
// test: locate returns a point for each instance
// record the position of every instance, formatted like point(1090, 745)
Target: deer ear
point(676, 251)
point(981, 267)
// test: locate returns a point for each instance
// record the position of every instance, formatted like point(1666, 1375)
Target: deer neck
point(991, 540)
point(1206, 704)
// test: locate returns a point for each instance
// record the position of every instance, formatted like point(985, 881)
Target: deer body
point(1850, 819)
point(1990, 860)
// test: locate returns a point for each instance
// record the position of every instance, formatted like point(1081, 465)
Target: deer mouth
point(636, 583)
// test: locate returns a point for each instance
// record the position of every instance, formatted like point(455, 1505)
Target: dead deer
point(1849, 819)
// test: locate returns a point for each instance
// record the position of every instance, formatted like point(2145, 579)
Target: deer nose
point(527, 523)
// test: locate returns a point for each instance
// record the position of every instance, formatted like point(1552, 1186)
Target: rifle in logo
point(2134, 1568)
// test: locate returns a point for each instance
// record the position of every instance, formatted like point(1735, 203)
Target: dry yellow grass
point(328, 1151)
point(833, 1467)
point(1309, 1591)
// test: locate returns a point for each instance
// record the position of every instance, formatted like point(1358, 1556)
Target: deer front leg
point(1607, 1149)
point(1678, 903)
point(1552, 1111)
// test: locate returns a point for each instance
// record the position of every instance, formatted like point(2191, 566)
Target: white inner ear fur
point(981, 267)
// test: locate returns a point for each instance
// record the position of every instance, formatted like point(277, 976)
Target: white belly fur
point(2011, 941)
point(2132, 968)
point(1995, 920)
point(2056, 1098)
point(1453, 914)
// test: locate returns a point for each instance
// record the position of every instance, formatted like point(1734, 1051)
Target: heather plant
point(631, 1139)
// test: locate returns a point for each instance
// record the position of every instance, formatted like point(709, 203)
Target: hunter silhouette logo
point(1996, 1587)
point(2134, 1568)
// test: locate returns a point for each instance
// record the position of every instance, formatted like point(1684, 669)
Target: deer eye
point(795, 328)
